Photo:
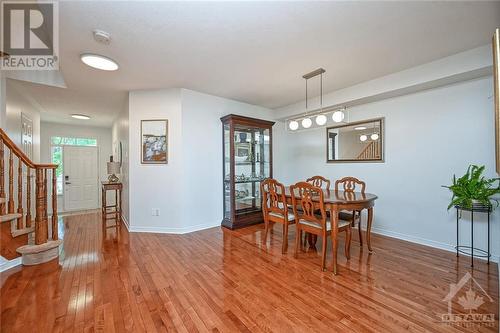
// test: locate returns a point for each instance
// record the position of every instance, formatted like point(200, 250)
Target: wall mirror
point(361, 141)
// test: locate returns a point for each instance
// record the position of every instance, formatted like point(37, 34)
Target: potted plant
point(473, 188)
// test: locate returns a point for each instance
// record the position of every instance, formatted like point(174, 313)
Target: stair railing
point(23, 223)
point(370, 152)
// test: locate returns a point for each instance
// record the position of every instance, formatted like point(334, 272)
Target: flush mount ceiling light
point(363, 138)
point(293, 125)
point(99, 62)
point(306, 122)
point(80, 116)
point(360, 128)
point(321, 120)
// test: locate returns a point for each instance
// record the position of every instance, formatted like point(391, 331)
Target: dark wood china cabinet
point(247, 160)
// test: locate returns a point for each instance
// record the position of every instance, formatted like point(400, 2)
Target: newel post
point(54, 205)
point(41, 218)
point(2, 177)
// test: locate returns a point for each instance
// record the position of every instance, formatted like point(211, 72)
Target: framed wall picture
point(154, 141)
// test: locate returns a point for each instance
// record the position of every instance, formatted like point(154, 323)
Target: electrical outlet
point(155, 212)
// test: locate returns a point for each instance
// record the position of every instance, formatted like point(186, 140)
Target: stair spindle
point(54, 206)
point(10, 205)
point(28, 197)
point(20, 193)
point(2, 177)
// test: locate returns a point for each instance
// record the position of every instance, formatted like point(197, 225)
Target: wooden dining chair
point(319, 181)
point(349, 185)
point(274, 208)
point(310, 199)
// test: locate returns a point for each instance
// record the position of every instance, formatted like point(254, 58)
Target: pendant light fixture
point(320, 116)
point(293, 125)
point(306, 122)
point(320, 119)
point(338, 116)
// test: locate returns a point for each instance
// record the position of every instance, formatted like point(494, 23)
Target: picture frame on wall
point(154, 141)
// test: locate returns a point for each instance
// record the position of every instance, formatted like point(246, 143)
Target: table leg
point(116, 207)
point(120, 214)
point(103, 204)
point(334, 216)
point(369, 229)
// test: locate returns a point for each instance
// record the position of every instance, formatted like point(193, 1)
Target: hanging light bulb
point(338, 116)
point(374, 136)
point(306, 122)
point(363, 138)
point(293, 125)
point(321, 120)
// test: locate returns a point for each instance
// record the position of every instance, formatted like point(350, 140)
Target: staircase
point(370, 152)
point(20, 235)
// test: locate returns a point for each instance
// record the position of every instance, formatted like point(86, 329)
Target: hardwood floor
point(227, 281)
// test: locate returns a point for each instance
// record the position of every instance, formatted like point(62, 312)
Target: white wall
point(15, 106)
point(121, 134)
point(102, 134)
point(429, 136)
point(155, 186)
point(3, 97)
point(202, 148)
point(188, 190)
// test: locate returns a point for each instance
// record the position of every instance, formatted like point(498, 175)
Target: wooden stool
point(115, 211)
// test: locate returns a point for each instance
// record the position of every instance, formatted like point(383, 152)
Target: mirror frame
point(381, 121)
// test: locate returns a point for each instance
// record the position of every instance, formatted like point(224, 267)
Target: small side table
point(114, 211)
point(469, 250)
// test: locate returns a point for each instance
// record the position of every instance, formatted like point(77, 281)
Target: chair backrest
point(349, 184)
point(273, 197)
point(319, 181)
point(306, 200)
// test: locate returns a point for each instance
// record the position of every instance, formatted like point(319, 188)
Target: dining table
point(337, 201)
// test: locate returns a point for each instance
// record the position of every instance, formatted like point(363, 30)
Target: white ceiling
point(254, 52)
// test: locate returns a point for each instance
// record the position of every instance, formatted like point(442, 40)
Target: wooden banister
point(41, 190)
point(20, 154)
point(13, 148)
point(10, 205)
point(2, 178)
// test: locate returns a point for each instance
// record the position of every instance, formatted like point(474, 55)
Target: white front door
point(80, 178)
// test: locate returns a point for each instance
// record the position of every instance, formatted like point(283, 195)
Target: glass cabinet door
point(227, 171)
point(251, 161)
point(247, 160)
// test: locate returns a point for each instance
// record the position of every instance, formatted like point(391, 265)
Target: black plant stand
point(469, 250)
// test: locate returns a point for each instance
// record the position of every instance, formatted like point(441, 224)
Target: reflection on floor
point(228, 281)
